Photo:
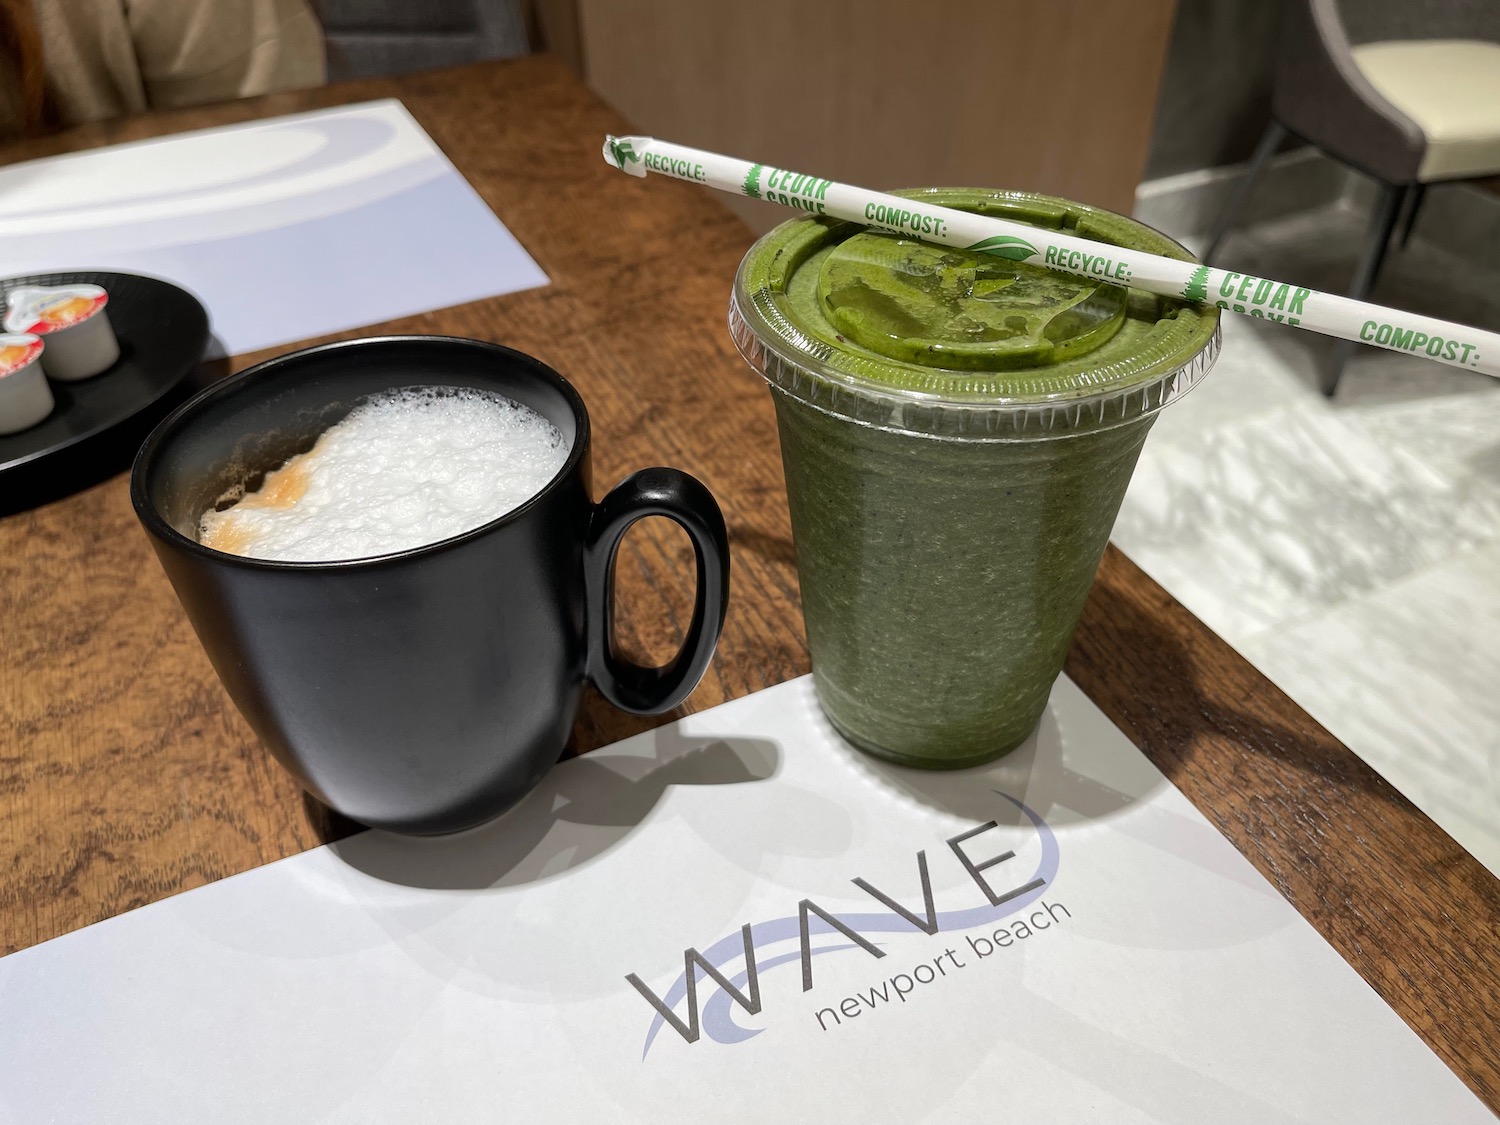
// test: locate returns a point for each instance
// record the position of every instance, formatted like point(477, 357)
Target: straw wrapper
point(1328, 313)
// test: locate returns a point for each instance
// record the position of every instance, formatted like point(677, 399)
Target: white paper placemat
point(1135, 968)
point(286, 229)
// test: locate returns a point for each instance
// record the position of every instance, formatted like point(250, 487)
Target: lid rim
point(899, 411)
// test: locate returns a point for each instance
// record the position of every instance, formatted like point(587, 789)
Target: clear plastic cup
point(958, 432)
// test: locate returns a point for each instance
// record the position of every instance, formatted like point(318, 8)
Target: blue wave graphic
point(717, 1012)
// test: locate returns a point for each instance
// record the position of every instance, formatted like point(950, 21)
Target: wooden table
point(126, 775)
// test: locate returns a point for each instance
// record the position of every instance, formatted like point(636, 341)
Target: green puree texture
point(943, 571)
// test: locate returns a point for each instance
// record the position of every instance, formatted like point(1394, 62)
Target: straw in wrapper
point(1454, 344)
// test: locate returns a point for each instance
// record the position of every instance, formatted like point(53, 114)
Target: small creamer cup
point(72, 318)
point(25, 398)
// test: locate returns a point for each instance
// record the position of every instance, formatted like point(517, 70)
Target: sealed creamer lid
point(43, 309)
point(18, 352)
point(888, 329)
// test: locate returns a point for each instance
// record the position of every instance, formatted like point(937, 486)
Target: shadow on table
point(773, 548)
point(581, 809)
point(1162, 668)
point(1037, 770)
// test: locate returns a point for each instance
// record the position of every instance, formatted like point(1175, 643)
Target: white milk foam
point(403, 469)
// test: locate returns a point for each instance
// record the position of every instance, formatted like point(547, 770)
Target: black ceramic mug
point(427, 690)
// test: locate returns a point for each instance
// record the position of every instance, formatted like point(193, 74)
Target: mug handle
point(679, 497)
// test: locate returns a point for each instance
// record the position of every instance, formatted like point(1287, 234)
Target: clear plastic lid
point(944, 342)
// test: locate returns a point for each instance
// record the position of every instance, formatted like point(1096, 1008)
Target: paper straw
point(1454, 344)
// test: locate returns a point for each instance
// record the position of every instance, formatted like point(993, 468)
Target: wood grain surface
point(826, 87)
point(126, 776)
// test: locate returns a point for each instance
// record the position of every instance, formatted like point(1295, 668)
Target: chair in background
point(370, 38)
point(1405, 91)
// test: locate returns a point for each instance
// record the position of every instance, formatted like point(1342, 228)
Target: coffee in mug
point(427, 687)
point(405, 468)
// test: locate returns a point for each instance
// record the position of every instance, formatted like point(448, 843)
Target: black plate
point(163, 332)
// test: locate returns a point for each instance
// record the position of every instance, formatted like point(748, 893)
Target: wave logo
point(754, 940)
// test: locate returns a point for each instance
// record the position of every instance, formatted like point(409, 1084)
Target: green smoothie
point(958, 431)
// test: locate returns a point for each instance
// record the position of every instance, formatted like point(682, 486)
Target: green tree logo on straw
point(622, 151)
point(751, 186)
point(1005, 246)
point(1196, 288)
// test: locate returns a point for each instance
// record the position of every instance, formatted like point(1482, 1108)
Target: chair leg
point(1411, 203)
point(1377, 239)
point(1270, 141)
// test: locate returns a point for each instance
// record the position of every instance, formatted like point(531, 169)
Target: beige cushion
point(110, 57)
point(1451, 89)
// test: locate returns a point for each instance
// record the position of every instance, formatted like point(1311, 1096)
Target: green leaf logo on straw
point(622, 151)
point(751, 186)
point(1005, 246)
point(1196, 288)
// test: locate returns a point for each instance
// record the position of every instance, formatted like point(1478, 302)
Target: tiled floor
point(1350, 549)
